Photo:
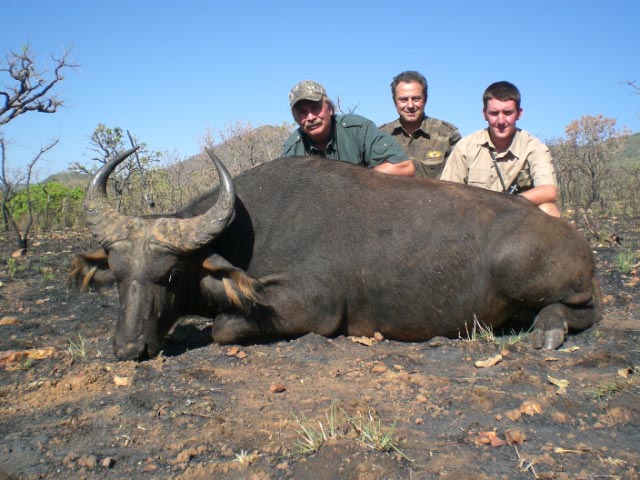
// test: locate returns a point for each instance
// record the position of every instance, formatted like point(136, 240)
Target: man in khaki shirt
point(427, 140)
point(502, 157)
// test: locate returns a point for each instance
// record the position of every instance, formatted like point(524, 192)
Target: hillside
point(630, 156)
point(263, 144)
point(69, 179)
point(238, 153)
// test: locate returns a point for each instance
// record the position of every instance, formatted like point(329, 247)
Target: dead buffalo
point(300, 245)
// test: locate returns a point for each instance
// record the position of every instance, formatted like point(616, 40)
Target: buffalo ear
point(228, 285)
point(90, 269)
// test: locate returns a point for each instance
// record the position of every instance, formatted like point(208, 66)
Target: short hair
point(502, 91)
point(408, 77)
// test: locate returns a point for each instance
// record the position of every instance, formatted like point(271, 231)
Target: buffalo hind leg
point(554, 321)
point(550, 327)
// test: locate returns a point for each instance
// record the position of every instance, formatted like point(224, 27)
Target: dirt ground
point(311, 408)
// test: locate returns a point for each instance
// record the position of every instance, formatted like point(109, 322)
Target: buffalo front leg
point(236, 328)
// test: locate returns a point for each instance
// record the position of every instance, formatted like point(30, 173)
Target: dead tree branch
point(31, 88)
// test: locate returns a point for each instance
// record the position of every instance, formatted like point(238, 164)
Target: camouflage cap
point(306, 90)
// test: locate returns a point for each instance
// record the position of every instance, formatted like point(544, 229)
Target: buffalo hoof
point(548, 339)
point(550, 327)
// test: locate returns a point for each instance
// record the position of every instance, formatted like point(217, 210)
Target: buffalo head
point(151, 260)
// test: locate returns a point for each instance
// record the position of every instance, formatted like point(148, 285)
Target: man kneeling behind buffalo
point(344, 137)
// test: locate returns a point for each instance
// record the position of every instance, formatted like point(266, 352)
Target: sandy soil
point(311, 408)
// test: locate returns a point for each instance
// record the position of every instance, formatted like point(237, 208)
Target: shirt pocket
point(430, 164)
point(481, 177)
point(380, 151)
point(432, 158)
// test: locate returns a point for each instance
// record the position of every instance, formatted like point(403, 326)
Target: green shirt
point(429, 146)
point(354, 139)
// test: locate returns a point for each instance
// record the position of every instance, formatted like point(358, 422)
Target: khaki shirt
point(428, 147)
point(527, 162)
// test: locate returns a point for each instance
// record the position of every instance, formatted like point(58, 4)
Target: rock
point(9, 320)
point(88, 461)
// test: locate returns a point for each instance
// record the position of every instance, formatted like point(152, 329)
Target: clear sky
point(167, 71)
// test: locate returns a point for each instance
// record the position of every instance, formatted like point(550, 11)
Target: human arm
point(381, 151)
point(545, 191)
point(545, 197)
point(541, 194)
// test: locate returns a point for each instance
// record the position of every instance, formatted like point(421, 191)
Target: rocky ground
point(476, 407)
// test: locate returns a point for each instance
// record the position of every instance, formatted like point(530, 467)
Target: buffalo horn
point(105, 223)
point(187, 234)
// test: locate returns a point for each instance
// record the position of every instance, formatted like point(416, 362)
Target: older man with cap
point(344, 137)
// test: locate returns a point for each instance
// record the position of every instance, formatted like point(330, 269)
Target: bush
point(54, 206)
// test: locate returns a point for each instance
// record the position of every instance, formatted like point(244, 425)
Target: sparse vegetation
point(368, 431)
point(48, 274)
point(513, 338)
point(77, 349)
point(606, 391)
point(312, 438)
point(13, 266)
point(479, 332)
point(374, 435)
point(626, 260)
point(26, 364)
point(245, 458)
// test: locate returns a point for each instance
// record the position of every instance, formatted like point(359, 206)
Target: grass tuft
point(605, 392)
point(625, 261)
point(478, 332)
point(77, 349)
point(369, 431)
point(311, 437)
point(374, 435)
point(245, 458)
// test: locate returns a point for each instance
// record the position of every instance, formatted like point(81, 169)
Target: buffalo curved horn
point(186, 234)
point(105, 222)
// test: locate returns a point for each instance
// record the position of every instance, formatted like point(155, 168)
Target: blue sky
point(167, 71)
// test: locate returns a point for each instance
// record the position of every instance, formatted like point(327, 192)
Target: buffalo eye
point(173, 278)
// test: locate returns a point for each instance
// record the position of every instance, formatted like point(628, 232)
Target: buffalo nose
point(135, 350)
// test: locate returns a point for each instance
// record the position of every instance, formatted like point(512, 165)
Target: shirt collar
point(397, 127)
point(485, 141)
point(309, 145)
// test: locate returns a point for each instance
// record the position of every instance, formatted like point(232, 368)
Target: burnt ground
point(388, 410)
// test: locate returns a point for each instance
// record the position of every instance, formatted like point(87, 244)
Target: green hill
point(69, 179)
point(630, 156)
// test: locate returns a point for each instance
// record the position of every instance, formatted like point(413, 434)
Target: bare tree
point(31, 89)
point(27, 89)
point(633, 85)
point(9, 191)
point(132, 176)
point(241, 146)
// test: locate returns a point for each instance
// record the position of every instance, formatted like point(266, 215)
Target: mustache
point(313, 123)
